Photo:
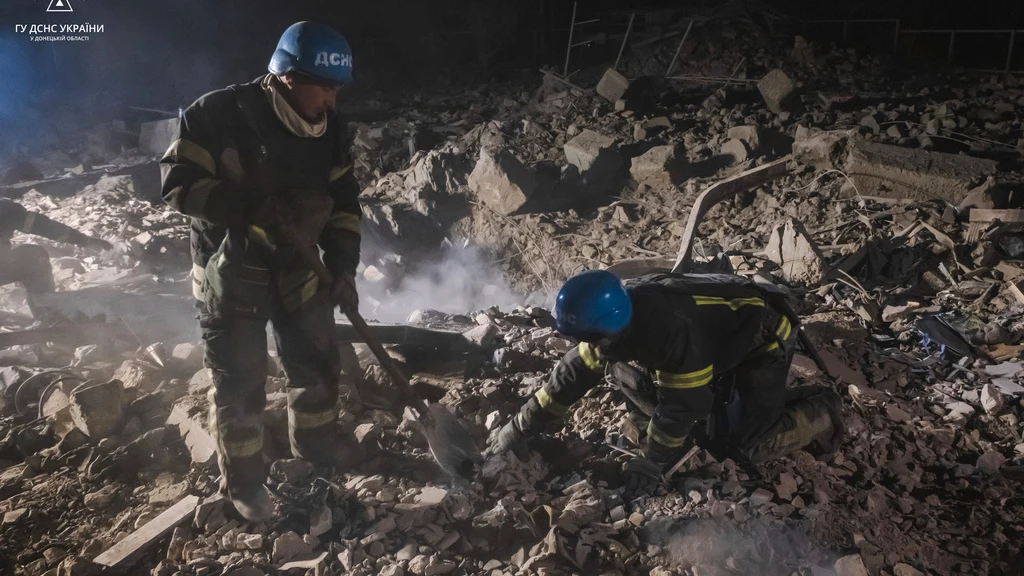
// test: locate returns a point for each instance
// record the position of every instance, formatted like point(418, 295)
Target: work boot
point(240, 457)
point(813, 423)
point(827, 441)
point(255, 505)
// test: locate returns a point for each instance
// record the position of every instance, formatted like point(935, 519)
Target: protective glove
point(643, 475)
point(508, 438)
point(344, 294)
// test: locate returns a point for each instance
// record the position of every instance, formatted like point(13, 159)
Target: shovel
point(450, 443)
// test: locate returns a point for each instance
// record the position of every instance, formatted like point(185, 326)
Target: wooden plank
point(402, 334)
point(80, 334)
point(723, 191)
point(125, 553)
point(1017, 289)
point(1006, 216)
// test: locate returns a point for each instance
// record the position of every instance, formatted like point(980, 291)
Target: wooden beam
point(80, 334)
point(125, 553)
point(718, 192)
point(1004, 216)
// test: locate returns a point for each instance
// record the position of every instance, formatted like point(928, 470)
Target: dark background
point(163, 54)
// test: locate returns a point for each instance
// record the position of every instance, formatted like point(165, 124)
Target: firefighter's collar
point(288, 116)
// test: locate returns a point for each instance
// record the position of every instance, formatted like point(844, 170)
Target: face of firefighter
point(309, 98)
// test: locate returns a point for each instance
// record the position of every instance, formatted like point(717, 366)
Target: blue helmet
point(315, 50)
point(592, 305)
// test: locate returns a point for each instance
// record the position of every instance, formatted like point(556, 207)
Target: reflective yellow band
point(735, 303)
point(197, 195)
point(654, 433)
point(771, 347)
point(337, 172)
point(295, 280)
point(30, 219)
point(198, 277)
point(298, 293)
point(520, 421)
point(306, 420)
point(686, 380)
point(549, 404)
point(189, 150)
point(784, 329)
point(245, 448)
point(591, 356)
point(260, 236)
point(345, 221)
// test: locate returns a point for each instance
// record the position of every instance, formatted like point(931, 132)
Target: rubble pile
point(897, 229)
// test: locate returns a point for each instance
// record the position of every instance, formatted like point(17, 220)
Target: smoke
point(757, 547)
point(456, 280)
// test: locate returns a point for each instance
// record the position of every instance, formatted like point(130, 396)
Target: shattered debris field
point(894, 217)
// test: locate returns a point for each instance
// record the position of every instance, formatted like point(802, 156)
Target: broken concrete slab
point(824, 150)
point(99, 410)
point(290, 545)
point(502, 182)
point(793, 249)
point(735, 149)
point(660, 166)
point(594, 155)
point(907, 173)
point(613, 85)
point(852, 565)
point(156, 137)
point(189, 415)
point(779, 92)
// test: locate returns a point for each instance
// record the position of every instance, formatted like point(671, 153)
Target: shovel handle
point(311, 258)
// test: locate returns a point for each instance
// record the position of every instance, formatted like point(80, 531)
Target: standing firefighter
point(28, 263)
point(712, 350)
point(248, 159)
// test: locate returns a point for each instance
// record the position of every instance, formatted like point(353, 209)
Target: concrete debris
point(594, 155)
point(826, 150)
point(613, 86)
point(99, 410)
point(897, 172)
point(290, 545)
point(796, 253)
point(852, 565)
point(778, 91)
point(660, 166)
point(502, 182)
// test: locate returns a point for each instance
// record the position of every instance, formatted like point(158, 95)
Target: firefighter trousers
point(236, 355)
point(755, 416)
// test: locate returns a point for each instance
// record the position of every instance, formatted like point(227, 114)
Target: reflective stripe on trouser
point(806, 421)
point(235, 346)
point(307, 345)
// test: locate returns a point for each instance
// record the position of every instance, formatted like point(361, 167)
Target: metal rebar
point(572, 27)
point(952, 42)
point(679, 48)
point(625, 39)
point(1009, 53)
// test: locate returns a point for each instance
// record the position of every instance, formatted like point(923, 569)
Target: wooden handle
point(313, 260)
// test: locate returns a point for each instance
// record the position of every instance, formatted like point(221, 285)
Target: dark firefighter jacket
point(231, 151)
point(15, 218)
point(686, 330)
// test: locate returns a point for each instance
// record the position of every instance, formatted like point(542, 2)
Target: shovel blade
point(450, 443)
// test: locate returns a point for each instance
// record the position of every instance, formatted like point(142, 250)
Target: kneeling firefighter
point(249, 160)
point(712, 349)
